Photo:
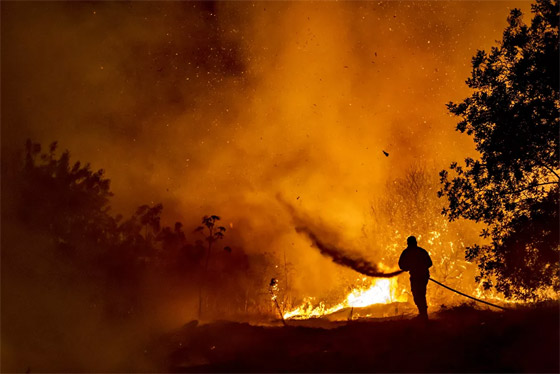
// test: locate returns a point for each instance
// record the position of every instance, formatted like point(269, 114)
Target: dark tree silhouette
point(513, 188)
point(212, 234)
point(150, 219)
point(69, 206)
point(62, 211)
point(69, 202)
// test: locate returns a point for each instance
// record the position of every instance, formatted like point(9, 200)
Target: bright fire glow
point(379, 291)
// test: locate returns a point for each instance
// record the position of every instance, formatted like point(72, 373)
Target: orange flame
point(378, 291)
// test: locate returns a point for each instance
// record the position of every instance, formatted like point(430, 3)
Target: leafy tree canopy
point(513, 188)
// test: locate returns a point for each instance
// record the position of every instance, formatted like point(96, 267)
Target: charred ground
point(462, 339)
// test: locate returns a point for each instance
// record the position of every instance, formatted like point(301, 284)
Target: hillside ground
point(461, 339)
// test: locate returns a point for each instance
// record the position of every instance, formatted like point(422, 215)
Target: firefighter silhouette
point(417, 262)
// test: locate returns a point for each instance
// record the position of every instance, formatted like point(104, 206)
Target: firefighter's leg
point(418, 287)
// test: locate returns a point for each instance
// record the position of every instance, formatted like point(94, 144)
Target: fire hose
point(470, 297)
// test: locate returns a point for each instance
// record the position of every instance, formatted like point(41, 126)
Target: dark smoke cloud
point(342, 257)
point(337, 254)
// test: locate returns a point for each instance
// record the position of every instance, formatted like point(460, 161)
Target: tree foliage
point(64, 208)
point(71, 202)
point(513, 188)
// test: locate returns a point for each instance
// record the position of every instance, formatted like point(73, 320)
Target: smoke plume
point(342, 257)
point(337, 254)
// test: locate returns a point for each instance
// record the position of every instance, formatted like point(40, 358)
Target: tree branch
point(527, 188)
point(552, 171)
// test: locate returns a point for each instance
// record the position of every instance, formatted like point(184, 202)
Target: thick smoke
point(344, 258)
point(341, 256)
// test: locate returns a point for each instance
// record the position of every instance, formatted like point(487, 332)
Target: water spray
point(344, 258)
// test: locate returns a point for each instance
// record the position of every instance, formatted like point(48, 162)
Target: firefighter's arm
point(429, 262)
point(403, 263)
